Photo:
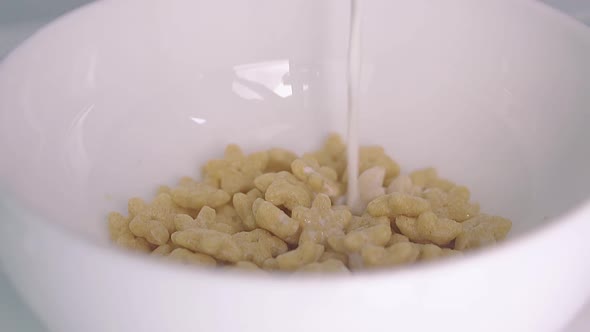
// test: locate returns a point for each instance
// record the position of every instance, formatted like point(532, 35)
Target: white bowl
point(120, 96)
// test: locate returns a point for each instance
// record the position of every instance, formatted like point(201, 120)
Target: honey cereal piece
point(213, 243)
point(321, 179)
point(328, 254)
point(429, 228)
point(371, 156)
point(274, 220)
point(130, 241)
point(306, 253)
point(440, 231)
point(428, 178)
point(447, 252)
point(227, 215)
point(332, 154)
point(377, 232)
point(264, 181)
point(259, 245)
point(320, 222)
point(396, 204)
point(327, 266)
point(355, 261)
point(162, 209)
point(396, 238)
point(164, 190)
point(430, 252)
point(397, 254)
point(163, 250)
point(243, 205)
point(118, 225)
point(270, 264)
point(481, 231)
point(453, 204)
point(193, 195)
point(236, 172)
point(121, 234)
point(367, 230)
point(207, 218)
point(370, 184)
point(152, 230)
point(279, 160)
point(288, 192)
point(403, 184)
point(188, 257)
point(423, 177)
point(460, 192)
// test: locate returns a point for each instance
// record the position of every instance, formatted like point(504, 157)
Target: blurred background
point(20, 18)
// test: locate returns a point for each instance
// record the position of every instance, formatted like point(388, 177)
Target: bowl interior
point(122, 96)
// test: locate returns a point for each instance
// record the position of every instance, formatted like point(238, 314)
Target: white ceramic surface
point(117, 98)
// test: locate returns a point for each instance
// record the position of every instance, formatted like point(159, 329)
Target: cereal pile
point(274, 210)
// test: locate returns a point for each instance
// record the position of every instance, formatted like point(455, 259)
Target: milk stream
point(354, 73)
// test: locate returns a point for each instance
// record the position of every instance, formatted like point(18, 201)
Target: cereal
point(193, 195)
point(236, 171)
point(118, 225)
point(370, 184)
point(451, 252)
point(151, 222)
point(275, 211)
point(164, 189)
point(320, 222)
point(430, 252)
point(306, 253)
point(152, 230)
point(129, 241)
point(428, 178)
point(481, 231)
point(274, 220)
point(279, 160)
point(321, 179)
point(396, 238)
point(263, 181)
point(370, 156)
point(270, 264)
point(453, 204)
point(187, 257)
point(334, 255)
point(162, 209)
point(243, 205)
point(397, 204)
point(228, 216)
point(403, 184)
point(288, 192)
point(163, 250)
point(327, 266)
point(429, 228)
point(213, 243)
point(205, 219)
point(332, 154)
point(259, 245)
point(397, 254)
point(367, 230)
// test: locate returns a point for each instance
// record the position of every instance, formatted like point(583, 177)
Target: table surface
point(20, 18)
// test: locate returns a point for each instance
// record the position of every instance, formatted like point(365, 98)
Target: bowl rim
point(537, 235)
